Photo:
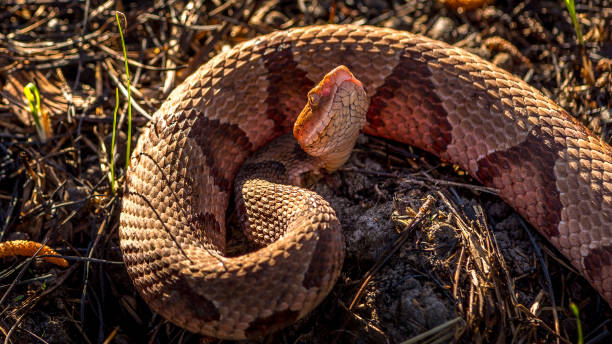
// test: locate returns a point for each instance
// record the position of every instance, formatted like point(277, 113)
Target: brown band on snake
point(597, 260)
point(263, 168)
point(283, 75)
point(417, 99)
point(533, 161)
point(208, 221)
point(201, 306)
point(316, 268)
point(271, 323)
point(214, 139)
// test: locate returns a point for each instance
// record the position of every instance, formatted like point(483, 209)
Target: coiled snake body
point(422, 92)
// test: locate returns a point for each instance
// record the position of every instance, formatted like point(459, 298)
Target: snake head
point(329, 124)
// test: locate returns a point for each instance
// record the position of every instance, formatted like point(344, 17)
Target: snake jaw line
point(316, 116)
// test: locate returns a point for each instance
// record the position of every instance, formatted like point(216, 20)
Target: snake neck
point(282, 161)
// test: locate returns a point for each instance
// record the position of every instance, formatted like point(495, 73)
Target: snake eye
point(313, 99)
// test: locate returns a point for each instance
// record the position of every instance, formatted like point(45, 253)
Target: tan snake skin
point(423, 92)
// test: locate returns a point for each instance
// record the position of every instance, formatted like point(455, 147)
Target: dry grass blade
point(437, 335)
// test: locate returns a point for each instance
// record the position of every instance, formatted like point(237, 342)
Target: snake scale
point(422, 92)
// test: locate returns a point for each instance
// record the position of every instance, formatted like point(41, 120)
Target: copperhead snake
point(422, 92)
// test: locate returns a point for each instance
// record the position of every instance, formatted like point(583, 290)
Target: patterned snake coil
point(422, 92)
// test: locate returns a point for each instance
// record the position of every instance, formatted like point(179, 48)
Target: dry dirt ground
point(470, 271)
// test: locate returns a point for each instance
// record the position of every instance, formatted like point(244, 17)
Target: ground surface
point(469, 272)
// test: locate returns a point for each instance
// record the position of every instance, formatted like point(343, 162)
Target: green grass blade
point(112, 149)
point(33, 95)
point(127, 76)
point(572, 11)
point(574, 309)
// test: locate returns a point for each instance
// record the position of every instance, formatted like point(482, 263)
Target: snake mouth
point(312, 123)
